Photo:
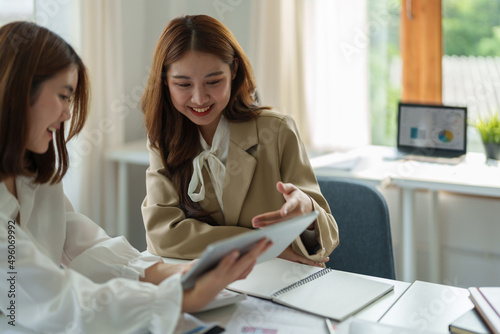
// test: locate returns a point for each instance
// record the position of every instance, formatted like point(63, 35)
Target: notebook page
point(271, 276)
point(335, 295)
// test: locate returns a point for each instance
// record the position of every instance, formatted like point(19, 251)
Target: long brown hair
point(30, 55)
point(173, 134)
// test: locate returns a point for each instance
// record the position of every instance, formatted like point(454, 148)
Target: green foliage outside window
point(471, 27)
point(385, 80)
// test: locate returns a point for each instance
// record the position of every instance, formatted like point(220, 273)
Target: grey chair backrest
point(364, 228)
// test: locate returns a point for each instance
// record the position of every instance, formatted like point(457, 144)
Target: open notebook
point(326, 292)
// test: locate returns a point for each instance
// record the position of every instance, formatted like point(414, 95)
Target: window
point(471, 61)
point(385, 70)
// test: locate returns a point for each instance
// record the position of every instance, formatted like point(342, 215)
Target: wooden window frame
point(421, 43)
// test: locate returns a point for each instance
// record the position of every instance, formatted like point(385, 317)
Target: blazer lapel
point(240, 168)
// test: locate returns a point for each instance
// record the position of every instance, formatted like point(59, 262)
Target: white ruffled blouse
point(69, 276)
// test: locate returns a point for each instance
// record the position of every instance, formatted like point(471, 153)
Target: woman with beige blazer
point(219, 164)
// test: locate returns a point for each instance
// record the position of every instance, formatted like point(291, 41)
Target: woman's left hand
point(160, 271)
point(297, 203)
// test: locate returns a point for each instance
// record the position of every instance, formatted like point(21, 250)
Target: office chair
point(364, 228)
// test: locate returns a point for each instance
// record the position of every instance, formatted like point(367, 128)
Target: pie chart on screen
point(445, 136)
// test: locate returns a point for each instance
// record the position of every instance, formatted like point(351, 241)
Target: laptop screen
point(432, 130)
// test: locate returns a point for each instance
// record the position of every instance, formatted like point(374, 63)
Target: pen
point(329, 326)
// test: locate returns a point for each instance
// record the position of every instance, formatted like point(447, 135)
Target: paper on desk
point(262, 316)
point(224, 297)
point(363, 327)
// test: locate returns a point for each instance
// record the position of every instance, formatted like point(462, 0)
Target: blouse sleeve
point(296, 169)
point(47, 298)
point(90, 251)
point(168, 232)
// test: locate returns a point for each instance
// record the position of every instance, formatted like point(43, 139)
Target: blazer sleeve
point(296, 169)
point(168, 232)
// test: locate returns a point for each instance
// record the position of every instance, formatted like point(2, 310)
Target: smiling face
point(50, 109)
point(200, 88)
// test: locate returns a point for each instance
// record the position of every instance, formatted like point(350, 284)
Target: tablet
point(282, 234)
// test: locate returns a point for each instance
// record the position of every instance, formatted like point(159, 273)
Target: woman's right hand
point(231, 268)
point(290, 255)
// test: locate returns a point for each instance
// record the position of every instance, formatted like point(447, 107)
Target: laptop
point(433, 133)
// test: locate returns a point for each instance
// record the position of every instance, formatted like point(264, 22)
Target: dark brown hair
point(30, 55)
point(169, 131)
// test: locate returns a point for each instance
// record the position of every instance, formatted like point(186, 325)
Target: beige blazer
point(261, 152)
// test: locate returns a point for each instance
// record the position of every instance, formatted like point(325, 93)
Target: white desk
point(426, 308)
point(403, 308)
point(376, 165)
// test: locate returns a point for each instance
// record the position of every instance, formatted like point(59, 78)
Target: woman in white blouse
point(60, 271)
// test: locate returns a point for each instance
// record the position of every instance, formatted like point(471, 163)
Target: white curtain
point(101, 51)
point(311, 61)
point(277, 56)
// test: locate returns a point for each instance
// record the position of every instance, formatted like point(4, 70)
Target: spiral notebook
point(326, 292)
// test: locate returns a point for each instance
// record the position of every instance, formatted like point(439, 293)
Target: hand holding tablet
point(280, 234)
